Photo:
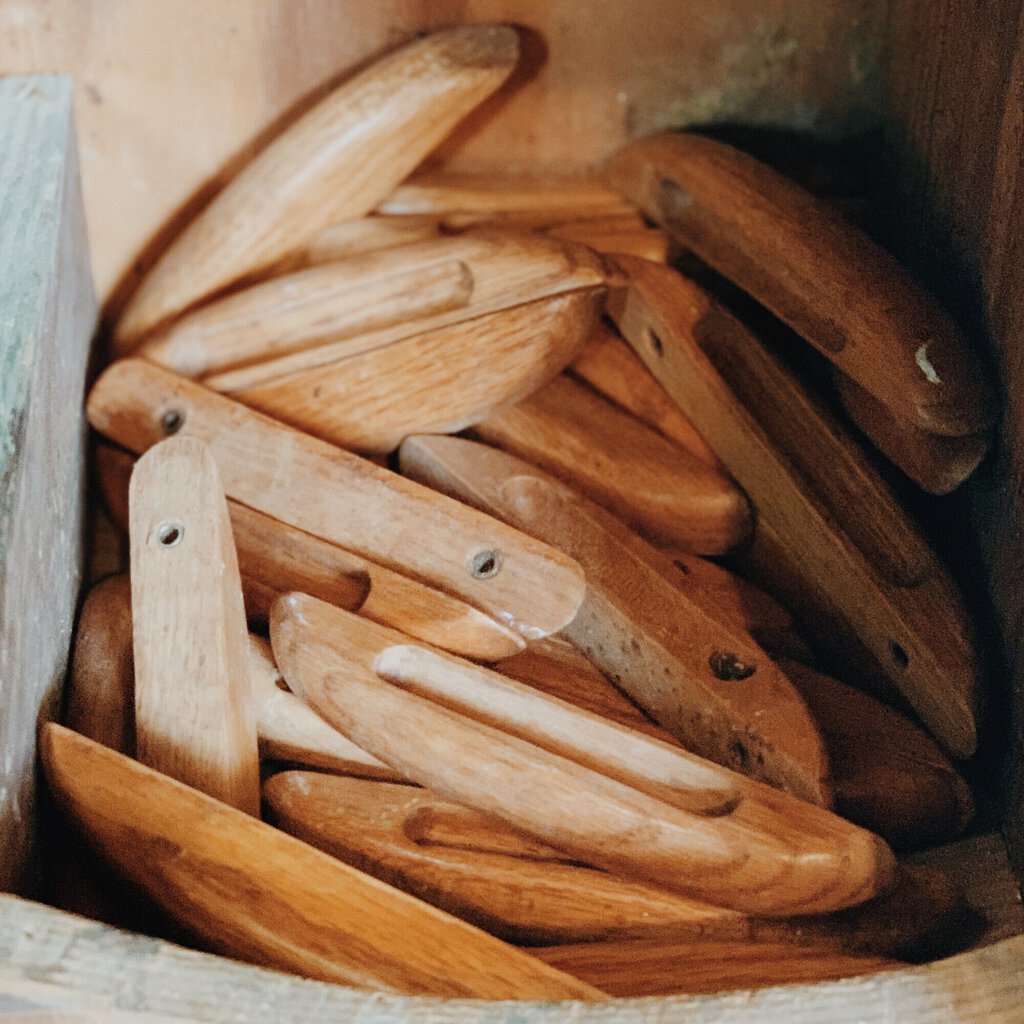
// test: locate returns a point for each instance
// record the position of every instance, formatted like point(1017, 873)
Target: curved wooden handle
point(335, 163)
point(819, 274)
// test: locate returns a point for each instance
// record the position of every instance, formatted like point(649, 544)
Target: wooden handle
point(509, 269)
point(309, 308)
point(195, 718)
point(887, 774)
point(697, 674)
point(936, 463)
point(475, 866)
point(757, 858)
point(315, 487)
point(519, 897)
point(253, 893)
point(336, 162)
point(442, 381)
point(663, 491)
point(918, 638)
point(827, 457)
point(100, 698)
point(275, 558)
point(445, 192)
point(609, 366)
point(816, 272)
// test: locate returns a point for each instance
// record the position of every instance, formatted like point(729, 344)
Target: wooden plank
point(955, 111)
point(47, 317)
point(92, 973)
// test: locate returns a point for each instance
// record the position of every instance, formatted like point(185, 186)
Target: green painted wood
point(47, 318)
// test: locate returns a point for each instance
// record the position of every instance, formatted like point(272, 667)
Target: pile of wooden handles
point(651, 788)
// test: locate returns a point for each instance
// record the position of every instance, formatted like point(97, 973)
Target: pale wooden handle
point(336, 162)
point(195, 717)
point(332, 494)
point(759, 863)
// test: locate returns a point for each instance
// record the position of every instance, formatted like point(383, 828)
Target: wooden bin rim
point(53, 961)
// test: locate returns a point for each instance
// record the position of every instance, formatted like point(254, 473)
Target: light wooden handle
point(336, 162)
point(195, 718)
point(334, 495)
point(756, 859)
point(275, 558)
point(663, 491)
point(816, 272)
point(695, 670)
point(440, 382)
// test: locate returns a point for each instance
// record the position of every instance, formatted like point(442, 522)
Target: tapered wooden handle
point(816, 272)
point(919, 637)
point(195, 717)
point(756, 858)
point(651, 629)
point(274, 558)
point(253, 893)
point(663, 491)
point(336, 162)
point(652, 967)
point(332, 494)
point(442, 381)
point(937, 463)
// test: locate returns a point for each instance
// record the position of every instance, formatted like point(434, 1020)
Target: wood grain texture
point(649, 967)
point(658, 488)
point(275, 558)
point(442, 381)
point(195, 717)
point(256, 894)
point(95, 974)
point(824, 453)
point(817, 273)
point(101, 699)
point(556, 667)
point(772, 854)
point(608, 365)
point(341, 498)
point(520, 899)
point(917, 638)
point(651, 629)
point(887, 774)
point(475, 866)
point(509, 269)
point(937, 464)
point(311, 307)
point(337, 161)
point(47, 318)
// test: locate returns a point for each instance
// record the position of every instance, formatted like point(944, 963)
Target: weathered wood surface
point(83, 972)
point(47, 317)
point(954, 114)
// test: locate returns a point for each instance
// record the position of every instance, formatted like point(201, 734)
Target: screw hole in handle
point(172, 421)
point(485, 564)
point(169, 535)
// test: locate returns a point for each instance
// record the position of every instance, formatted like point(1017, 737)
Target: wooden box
point(170, 96)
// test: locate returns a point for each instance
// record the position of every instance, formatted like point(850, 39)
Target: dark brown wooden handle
point(822, 276)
